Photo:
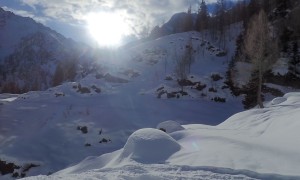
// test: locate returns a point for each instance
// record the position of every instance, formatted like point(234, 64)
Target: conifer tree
point(202, 17)
point(188, 20)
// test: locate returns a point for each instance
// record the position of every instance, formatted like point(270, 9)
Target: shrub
point(96, 89)
point(212, 90)
point(168, 78)
point(219, 99)
point(200, 86)
point(104, 140)
point(83, 129)
point(216, 77)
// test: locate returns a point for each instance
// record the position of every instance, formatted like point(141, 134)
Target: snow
point(8, 97)
point(149, 146)
point(254, 144)
point(278, 100)
point(151, 172)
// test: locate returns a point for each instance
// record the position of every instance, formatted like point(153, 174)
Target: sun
point(106, 28)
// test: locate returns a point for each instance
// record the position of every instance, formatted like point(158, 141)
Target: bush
point(87, 145)
point(59, 94)
point(171, 95)
point(104, 140)
point(83, 90)
point(221, 54)
point(216, 77)
point(159, 89)
point(96, 89)
point(185, 82)
point(161, 93)
point(212, 90)
point(168, 78)
point(7, 168)
point(219, 99)
point(83, 129)
point(200, 86)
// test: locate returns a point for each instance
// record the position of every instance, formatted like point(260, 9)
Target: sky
point(69, 17)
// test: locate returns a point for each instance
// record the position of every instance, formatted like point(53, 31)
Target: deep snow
point(255, 144)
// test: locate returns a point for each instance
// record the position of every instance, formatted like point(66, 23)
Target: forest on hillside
point(271, 32)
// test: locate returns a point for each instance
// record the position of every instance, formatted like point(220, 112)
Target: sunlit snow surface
point(255, 144)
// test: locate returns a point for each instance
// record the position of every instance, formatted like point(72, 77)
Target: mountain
point(31, 53)
point(175, 25)
point(178, 22)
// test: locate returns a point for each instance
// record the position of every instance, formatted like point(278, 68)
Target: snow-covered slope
point(136, 88)
point(255, 144)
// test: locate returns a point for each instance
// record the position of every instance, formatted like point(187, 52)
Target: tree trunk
point(259, 100)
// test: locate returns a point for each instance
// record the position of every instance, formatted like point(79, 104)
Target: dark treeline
point(284, 12)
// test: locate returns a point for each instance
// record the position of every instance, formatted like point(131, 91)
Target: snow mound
point(150, 146)
point(170, 126)
point(278, 100)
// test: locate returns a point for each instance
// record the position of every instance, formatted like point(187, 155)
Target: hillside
point(136, 88)
point(31, 55)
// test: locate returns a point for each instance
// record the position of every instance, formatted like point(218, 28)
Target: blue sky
point(68, 16)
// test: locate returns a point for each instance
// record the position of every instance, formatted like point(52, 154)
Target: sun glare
point(108, 29)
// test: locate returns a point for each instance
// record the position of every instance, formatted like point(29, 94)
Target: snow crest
point(150, 146)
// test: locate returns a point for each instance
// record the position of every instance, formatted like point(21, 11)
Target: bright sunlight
point(108, 29)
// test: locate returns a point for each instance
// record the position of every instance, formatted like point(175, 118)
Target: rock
point(170, 126)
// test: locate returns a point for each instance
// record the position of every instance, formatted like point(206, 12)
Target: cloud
point(138, 13)
point(24, 13)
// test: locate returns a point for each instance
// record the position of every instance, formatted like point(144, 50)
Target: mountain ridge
point(24, 42)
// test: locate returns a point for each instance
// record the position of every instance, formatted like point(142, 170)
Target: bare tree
point(183, 63)
point(181, 69)
point(189, 54)
point(261, 48)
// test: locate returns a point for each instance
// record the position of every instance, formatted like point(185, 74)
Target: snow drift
point(259, 143)
point(150, 146)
